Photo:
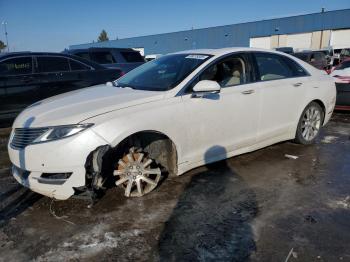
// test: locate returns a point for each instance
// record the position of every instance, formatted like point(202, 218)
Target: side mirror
point(207, 86)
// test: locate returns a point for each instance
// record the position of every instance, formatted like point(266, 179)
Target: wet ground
point(260, 206)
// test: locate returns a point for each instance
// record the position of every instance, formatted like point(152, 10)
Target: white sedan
point(166, 117)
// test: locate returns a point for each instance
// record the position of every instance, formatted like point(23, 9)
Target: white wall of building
point(260, 42)
point(337, 39)
point(340, 39)
point(299, 41)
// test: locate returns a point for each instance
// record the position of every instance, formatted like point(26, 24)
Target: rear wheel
point(136, 173)
point(309, 124)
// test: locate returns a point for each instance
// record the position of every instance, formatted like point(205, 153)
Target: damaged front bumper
point(58, 188)
point(56, 168)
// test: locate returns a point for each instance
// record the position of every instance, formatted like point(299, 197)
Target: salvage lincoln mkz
point(166, 117)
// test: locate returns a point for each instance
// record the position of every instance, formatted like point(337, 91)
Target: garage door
point(340, 38)
point(260, 42)
point(299, 41)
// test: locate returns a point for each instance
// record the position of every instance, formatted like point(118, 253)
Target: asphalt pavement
point(261, 206)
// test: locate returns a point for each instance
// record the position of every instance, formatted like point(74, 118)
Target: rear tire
point(309, 125)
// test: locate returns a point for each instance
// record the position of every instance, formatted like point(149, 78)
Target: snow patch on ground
point(89, 243)
point(329, 139)
point(341, 203)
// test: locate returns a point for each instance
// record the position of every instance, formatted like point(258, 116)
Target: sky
point(52, 25)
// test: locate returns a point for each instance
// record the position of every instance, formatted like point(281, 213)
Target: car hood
point(77, 106)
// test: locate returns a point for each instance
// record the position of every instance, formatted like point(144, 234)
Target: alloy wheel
point(311, 123)
point(135, 174)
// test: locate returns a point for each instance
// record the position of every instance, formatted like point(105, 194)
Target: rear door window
point(132, 57)
point(84, 55)
point(48, 64)
point(297, 69)
point(272, 67)
point(102, 57)
point(16, 66)
point(77, 66)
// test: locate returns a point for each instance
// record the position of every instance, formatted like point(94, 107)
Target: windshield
point(162, 74)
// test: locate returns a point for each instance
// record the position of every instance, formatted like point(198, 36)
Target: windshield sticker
point(200, 57)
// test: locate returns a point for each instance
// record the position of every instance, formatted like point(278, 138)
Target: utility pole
point(321, 40)
point(7, 41)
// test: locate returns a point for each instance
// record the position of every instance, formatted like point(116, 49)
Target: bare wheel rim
point(311, 123)
point(135, 174)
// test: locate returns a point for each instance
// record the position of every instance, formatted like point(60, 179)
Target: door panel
point(282, 84)
point(21, 86)
point(3, 102)
point(57, 83)
point(228, 119)
point(56, 77)
point(279, 106)
point(86, 76)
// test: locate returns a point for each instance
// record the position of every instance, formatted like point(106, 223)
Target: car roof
point(228, 50)
point(27, 53)
point(100, 49)
point(31, 53)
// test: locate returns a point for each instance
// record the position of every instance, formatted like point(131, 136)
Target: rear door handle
point(248, 92)
point(297, 84)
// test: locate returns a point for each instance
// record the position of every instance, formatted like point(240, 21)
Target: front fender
point(165, 118)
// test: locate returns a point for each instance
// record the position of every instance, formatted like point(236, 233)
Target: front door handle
point(297, 84)
point(248, 92)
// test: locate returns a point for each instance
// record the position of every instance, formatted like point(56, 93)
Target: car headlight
point(59, 132)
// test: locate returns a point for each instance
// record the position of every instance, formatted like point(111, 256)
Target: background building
point(310, 31)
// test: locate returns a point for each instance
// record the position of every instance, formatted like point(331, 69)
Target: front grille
point(25, 136)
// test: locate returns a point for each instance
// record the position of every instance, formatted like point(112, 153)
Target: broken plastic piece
point(291, 156)
point(289, 254)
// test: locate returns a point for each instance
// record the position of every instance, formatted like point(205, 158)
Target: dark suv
point(124, 59)
point(316, 58)
point(28, 77)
